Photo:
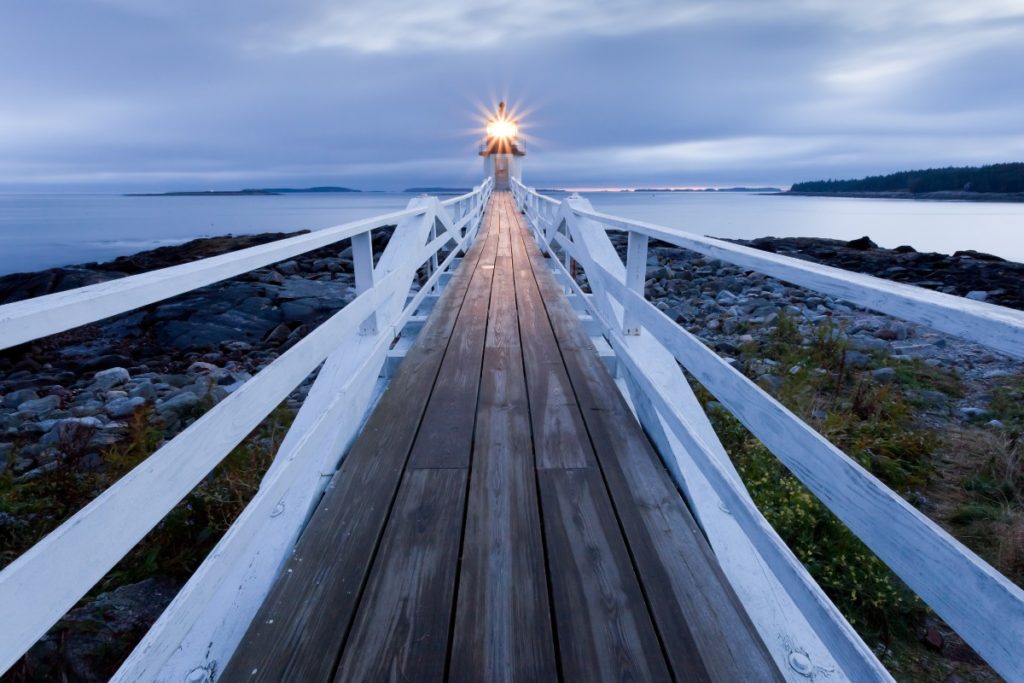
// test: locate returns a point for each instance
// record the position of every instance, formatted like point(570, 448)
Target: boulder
point(90, 641)
point(862, 244)
point(123, 407)
point(40, 406)
point(16, 398)
point(287, 267)
point(112, 377)
point(178, 404)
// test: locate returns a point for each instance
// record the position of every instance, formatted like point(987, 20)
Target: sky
point(151, 95)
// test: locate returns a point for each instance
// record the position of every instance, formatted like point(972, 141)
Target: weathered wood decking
point(502, 516)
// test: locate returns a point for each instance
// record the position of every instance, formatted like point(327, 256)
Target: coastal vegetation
point(995, 178)
point(940, 421)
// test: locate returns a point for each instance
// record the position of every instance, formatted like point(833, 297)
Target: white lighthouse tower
point(501, 152)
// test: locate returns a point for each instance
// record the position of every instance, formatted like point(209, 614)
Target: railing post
point(362, 262)
point(636, 275)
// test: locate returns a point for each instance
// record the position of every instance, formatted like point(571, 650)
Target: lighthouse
point(500, 150)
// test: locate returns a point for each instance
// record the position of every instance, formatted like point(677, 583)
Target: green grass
point(177, 545)
point(872, 422)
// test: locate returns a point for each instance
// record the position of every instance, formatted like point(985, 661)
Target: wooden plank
point(503, 630)
point(778, 611)
point(401, 629)
point(604, 630)
point(560, 439)
point(705, 631)
point(454, 397)
point(299, 630)
point(503, 626)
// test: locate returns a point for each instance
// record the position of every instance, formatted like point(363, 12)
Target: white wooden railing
point(201, 627)
point(802, 628)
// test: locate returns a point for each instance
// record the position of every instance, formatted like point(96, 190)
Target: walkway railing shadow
point(803, 629)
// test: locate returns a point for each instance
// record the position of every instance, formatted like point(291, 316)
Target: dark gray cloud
point(146, 94)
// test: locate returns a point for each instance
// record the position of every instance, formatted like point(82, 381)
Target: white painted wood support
point(786, 630)
point(362, 264)
point(42, 316)
point(996, 327)
point(45, 582)
point(204, 624)
point(980, 604)
point(205, 621)
point(636, 275)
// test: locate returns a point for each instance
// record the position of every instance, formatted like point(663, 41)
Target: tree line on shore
point(1001, 178)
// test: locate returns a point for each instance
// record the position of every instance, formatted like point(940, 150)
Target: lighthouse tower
point(501, 152)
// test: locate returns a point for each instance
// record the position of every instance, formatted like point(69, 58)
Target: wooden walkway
point(502, 516)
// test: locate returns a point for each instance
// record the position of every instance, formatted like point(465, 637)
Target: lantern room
point(500, 150)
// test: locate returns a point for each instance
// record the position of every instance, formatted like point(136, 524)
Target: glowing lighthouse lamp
point(501, 152)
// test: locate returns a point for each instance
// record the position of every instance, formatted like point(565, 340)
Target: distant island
point(246, 192)
point(995, 182)
point(439, 190)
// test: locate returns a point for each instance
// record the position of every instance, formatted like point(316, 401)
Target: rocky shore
point(730, 308)
point(68, 400)
point(72, 404)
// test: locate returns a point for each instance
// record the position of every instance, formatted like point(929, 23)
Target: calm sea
point(40, 231)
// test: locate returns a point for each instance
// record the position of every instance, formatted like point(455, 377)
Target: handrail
point(983, 606)
point(41, 585)
point(23, 321)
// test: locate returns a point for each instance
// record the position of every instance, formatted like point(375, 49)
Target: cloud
point(111, 94)
point(466, 25)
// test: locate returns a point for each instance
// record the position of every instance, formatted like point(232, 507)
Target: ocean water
point(41, 231)
point(945, 227)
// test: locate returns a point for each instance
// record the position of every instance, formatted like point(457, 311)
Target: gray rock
point(92, 639)
point(87, 408)
point(995, 424)
point(40, 406)
point(123, 407)
point(856, 359)
point(301, 310)
point(112, 377)
point(970, 412)
point(977, 295)
point(725, 298)
point(862, 342)
point(884, 374)
point(272, 277)
point(16, 398)
point(932, 397)
point(36, 473)
point(144, 390)
point(69, 430)
point(178, 404)
point(287, 267)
